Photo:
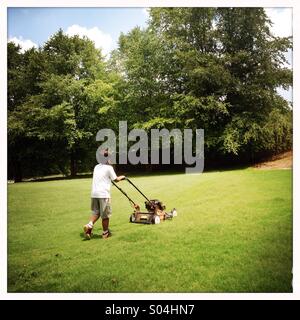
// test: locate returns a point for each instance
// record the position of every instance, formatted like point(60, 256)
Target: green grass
point(233, 233)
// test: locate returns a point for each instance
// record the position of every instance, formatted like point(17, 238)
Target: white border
point(147, 296)
point(149, 3)
point(296, 152)
point(3, 163)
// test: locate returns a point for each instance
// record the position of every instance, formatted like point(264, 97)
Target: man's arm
point(119, 178)
point(113, 175)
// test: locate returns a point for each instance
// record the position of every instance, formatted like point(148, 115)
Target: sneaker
point(87, 231)
point(106, 234)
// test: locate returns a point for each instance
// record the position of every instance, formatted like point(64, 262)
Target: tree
point(140, 60)
point(24, 73)
point(224, 69)
point(255, 59)
point(212, 68)
point(59, 110)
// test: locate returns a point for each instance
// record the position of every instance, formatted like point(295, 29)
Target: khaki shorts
point(102, 207)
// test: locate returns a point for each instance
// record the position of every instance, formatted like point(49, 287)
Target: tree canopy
point(217, 69)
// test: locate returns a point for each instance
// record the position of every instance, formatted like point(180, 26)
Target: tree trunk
point(17, 171)
point(73, 166)
point(149, 167)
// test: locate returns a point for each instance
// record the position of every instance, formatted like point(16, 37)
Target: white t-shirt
point(102, 176)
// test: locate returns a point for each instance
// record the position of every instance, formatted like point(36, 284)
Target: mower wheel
point(156, 220)
point(174, 212)
point(132, 218)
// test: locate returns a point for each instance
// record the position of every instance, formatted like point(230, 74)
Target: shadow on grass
point(57, 178)
point(136, 174)
point(94, 237)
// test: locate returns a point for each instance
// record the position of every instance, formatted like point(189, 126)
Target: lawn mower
point(156, 210)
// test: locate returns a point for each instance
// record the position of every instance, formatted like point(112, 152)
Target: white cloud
point(282, 21)
point(102, 40)
point(146, 12)
point(286, 94)
point(25, 44)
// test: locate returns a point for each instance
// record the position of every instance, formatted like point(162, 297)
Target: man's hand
point(119, 178)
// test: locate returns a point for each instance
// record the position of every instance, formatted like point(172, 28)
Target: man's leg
point(105, 224)
point(106, 233)
point(93, 219)
point(88, 228)
point(106, 213)
point(95, 207)
point(90, 225)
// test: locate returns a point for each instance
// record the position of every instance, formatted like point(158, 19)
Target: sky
point(32, 27)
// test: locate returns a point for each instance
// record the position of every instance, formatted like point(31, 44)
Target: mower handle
point(125, 194)
point(137, 189)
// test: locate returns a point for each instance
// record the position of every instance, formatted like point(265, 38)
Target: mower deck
point(155, 209)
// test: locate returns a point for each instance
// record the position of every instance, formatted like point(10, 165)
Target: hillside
point(282, 161)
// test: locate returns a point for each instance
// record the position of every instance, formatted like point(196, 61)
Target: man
point(102, 176)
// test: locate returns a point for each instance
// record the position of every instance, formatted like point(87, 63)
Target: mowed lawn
point(233, 233)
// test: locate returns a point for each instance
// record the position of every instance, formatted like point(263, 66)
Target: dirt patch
point(282, 161)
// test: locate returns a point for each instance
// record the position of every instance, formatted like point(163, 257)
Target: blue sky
point(37, 24)
point(33, 26)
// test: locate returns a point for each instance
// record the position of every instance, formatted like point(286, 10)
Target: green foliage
point(229, 66)
point(52, 97)
point(212, 68)
point(24, 73)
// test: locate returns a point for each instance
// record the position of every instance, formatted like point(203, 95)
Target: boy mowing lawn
point(100, 202)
